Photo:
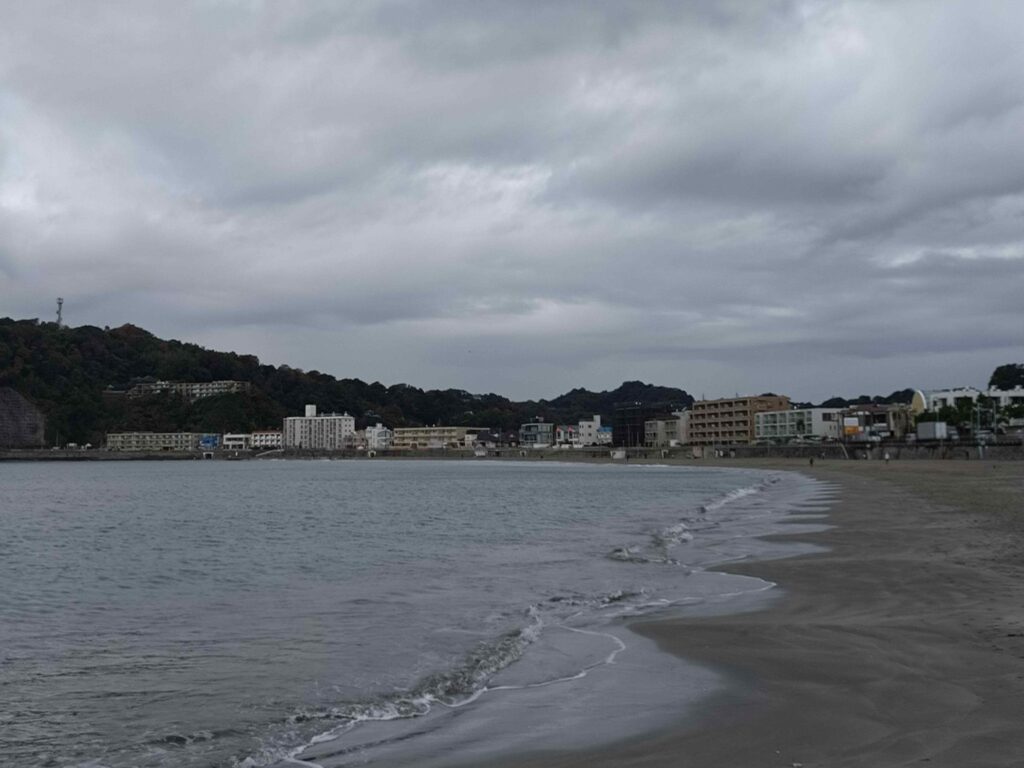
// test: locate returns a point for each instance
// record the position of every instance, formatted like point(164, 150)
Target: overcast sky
point(727, 196)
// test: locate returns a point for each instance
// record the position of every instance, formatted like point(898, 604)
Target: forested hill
point(77, 376)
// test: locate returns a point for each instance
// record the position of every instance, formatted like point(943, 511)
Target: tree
point(1007, 376)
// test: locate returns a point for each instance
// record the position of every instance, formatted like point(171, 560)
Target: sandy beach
point(901, 645)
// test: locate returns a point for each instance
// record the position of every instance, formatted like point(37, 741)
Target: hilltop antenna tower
point(60, 312)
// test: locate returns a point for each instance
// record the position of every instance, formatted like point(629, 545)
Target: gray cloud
point(525, 197)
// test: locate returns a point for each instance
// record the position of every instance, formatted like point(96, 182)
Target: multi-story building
point(153, 441)
point(266, 439)
point(661, 433)
point(798, 424)
point(730, 421)
point(536, 434)
point(190, 390)
point(318, 432)
point(378, 438)
point(586, 431)
point(236, 441)
point(413, 438)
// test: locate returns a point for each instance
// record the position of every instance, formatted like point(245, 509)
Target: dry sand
point(902, 645)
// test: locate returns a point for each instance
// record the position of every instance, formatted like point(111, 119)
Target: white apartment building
point(798, 424)
point(319, 432)
point(153, 441)
point(586, 431)
point(236, 442)
point(266, 439)
point(378, 438)
point(191, 390)
point(933, 400)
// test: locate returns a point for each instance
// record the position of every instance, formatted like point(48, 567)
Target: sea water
point(267, 613)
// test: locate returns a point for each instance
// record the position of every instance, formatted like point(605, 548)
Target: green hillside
point(78, 377)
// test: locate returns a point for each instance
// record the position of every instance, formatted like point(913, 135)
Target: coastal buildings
point(22, 425)
point(586, 431)
point(661, 433)
point(318, 432)
point(153, 441)
point(935, 399)
point(413, 438)
point(797, 424)
point(190, 390)
point(378, 438)
point(536, 434)
point(566, 434)
point(629, 421)
point(265, 439)
point(877, 422)
point(730, 421)
point(236, 442)
point(667, 432)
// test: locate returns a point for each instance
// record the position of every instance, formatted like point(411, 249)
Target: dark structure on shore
point(628, 421)
point(22, 425)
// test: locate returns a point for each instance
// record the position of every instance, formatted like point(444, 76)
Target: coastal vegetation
point(79, 378)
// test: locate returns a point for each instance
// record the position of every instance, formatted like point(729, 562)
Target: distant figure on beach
point(886, 457)
point(812, 461)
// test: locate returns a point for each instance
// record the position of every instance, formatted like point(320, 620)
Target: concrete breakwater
point(826, 451)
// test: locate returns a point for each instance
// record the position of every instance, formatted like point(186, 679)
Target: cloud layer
point(808, 197)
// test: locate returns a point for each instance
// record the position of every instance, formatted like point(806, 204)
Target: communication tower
point(60, 312)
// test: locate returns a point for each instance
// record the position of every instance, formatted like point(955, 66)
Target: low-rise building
point(236, 441)
point(935, 399)
point(798, 424)
point(730, 421)
point(318, 432)
point(877, 422)
point(566, 434)
point(661, 433)
point(190, 390)
point(266, 439)
point(536, 434)
point(418, 438)
point(378, 438)
point(153, 441)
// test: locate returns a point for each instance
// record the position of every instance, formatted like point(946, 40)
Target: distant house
point(378, 437)
point(537, 434)
point(566, 434)
point(22, 425)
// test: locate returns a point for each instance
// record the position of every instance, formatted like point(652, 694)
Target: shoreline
point(901, 644)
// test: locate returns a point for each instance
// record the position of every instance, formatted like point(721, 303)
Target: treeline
point(77, 377)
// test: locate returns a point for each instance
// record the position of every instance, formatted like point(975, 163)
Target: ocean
point(329, 613)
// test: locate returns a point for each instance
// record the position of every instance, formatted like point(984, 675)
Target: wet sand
point(901, 645)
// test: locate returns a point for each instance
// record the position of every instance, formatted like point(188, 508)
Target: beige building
point(266, 439)
point(153, 441)
point(406, 438)
point(730, 421)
